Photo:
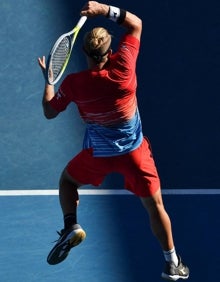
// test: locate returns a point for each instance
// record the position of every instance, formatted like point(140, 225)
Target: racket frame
point(73, 32)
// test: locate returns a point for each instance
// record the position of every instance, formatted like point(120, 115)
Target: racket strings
point(58, 58)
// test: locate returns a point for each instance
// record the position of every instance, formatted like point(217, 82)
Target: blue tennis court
point(179, 101)
point(119, 245)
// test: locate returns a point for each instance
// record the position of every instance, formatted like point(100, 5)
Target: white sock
point(171, 256)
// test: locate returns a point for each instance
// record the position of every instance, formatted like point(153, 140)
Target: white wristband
point(114, 13)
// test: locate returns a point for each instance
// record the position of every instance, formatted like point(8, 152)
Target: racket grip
point(81, 21)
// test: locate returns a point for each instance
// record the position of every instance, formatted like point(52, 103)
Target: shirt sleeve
point(124, 60)
point(62, 97)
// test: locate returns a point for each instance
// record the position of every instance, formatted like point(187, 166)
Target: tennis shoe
point(173, 273)
point(69, 238)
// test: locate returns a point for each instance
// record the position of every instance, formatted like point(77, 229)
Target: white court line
point(53, 192)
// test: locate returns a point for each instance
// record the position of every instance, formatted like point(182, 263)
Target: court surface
point(119, 246)
point(179, 79)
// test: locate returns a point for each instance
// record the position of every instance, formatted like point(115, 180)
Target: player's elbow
point(49, 112)
point(49, 116)
point(133, 25)
point(137, 25)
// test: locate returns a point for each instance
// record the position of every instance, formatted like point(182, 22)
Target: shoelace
point(60, 233)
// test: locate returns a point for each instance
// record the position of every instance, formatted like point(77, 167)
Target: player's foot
point(172, 272)
point(69, 238)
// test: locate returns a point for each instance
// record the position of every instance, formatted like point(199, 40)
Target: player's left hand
point(42, 63)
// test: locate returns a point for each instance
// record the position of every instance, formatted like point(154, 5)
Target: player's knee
point(67, 180)
point(154, 202)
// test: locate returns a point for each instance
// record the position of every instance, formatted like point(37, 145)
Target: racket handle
point(81, 21)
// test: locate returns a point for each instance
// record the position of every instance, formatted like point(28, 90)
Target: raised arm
point(130, 21)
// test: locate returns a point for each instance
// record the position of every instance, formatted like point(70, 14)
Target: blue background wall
point(178, 75)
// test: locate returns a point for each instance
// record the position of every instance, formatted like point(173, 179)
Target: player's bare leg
point(161, 227)
point(159, 220)
point(72, 234)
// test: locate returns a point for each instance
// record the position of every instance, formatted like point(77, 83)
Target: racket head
point(60, 53)
point(58, 59)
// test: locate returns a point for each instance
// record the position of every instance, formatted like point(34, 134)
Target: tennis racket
point(60, 53)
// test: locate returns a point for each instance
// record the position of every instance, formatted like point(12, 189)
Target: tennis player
point(105, 95)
